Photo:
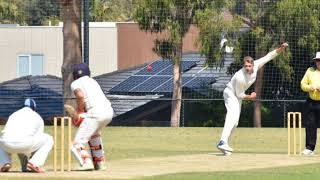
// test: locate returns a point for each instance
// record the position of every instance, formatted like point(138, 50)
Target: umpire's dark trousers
point(311, 118)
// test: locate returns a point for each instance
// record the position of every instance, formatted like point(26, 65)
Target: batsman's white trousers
point(233, 105)
point(39, 146)
point(92, 124)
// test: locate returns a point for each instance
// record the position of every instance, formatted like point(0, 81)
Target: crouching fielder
point(23, 135)
point(93, 112)
point(234, 93)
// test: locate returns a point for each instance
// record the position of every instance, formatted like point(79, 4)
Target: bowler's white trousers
point(39, 146)
point(233, 105)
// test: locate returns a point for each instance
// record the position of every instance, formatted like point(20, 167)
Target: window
point(31, 64)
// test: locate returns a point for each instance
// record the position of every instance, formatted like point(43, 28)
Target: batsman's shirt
point(241, 80)
point(94, 98)
point(23, 124)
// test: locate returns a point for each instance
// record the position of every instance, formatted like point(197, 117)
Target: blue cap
point(30, 103)
point(80, 70)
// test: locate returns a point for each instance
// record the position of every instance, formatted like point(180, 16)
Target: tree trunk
point(71, 44)
point(257, 103)
point(257, 89)
point(177, 88)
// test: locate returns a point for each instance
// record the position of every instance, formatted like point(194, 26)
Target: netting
point(134, 45)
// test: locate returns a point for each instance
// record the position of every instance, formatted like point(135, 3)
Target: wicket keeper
point(24, 134)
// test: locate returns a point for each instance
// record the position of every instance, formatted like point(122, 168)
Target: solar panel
point(168, 71)
point(200, 82)
point(151, 84)
point(186, 65)
point(157, 66)
point(168, 86)
point(165, 68)
point(159, 79)
point(129, 83)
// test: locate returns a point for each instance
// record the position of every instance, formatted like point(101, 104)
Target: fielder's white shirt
point(94, 98)
point(241, 80)
point(23, 124)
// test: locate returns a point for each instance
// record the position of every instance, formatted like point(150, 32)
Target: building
point(38, 50)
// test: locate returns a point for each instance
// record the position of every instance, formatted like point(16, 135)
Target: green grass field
point(287, 173)
point(130, 143)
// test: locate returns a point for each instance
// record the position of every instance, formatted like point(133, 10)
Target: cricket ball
point(149, 68)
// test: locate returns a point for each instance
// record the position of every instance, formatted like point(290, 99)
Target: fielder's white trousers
point(39, 146)
point(233, 105)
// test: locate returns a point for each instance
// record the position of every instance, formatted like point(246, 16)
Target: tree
point(31, 12)
point(174, 18)
point(10, 13)
point(40, 12)
point(256, 15)
point(216, 23)
point(272, 22)
point(71, 43)
point(111, 10)
point(299, 22)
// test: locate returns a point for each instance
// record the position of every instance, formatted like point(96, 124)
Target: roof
point(120, 103)
point(150, 85)
point(46, 90)
point(109, 80)
point(60, 25)
point(137, 87)
point(157, 77)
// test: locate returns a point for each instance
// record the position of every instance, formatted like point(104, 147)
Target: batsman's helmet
point(30, 103)
point(80, 70)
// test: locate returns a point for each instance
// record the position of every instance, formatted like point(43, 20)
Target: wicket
point(293, 117)
point(62, 141)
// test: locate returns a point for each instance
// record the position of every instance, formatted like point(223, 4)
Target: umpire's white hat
point(317, 56)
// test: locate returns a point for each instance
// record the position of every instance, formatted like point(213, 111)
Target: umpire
point(311, 83)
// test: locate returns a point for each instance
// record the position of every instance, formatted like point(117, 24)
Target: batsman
point(93, 112)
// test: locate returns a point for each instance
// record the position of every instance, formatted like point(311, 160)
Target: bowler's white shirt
point(94, 98)
point(23, 124)
point(241, 80)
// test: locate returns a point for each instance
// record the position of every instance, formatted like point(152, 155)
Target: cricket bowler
point(234, 93)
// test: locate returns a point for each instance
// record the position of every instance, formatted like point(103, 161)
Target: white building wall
point(48, 41)
point(103, 48)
